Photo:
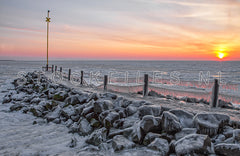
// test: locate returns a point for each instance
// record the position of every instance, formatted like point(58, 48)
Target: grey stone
point(97, 137)
point(185, 118)
point(193, 144)
point(210, 123)
point(102, 105)
point(184, 132)
point(119, 142)
point(160, 145)
point(170, 123)
point(149, 110)
point(227, 149)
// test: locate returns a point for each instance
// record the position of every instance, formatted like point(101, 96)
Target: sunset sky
point(121, 29)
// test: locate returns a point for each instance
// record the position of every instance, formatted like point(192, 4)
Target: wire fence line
point(130, 84)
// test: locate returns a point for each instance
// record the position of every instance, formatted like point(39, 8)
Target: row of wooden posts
point(215, 89)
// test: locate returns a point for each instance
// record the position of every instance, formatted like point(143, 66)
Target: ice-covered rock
point(102, 105)
point(184, 132)
point(170, 123)
point(210, 123)
point(185, 118)
point(53, 115)
point(109, 119)
point(119, 142)
point(16, 107)
point(150, 137)
point(125, 132)
point(149, 110)
point(227, 149)
point(109, 96)
point(130, 110)
point(161, 145)
point(84, 127)
point(68, 111)
point(93, 96)
point(150, 123)
point(97, 137)
point(236, 135)
point(72, 100)
point(193, 144)
point(60, 96)
point(87, 110)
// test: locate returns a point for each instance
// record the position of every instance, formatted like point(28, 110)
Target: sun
point(221, 51)
point(221, 55)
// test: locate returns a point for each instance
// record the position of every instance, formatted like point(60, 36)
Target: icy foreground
point(46, 118)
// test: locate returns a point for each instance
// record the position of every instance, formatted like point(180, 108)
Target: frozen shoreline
point(35, 135)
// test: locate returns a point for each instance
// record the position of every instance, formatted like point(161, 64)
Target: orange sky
point(135, 29)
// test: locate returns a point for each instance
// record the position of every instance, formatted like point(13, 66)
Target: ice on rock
point(193, 144)
point(68, 111)
point(185, 118)
point(210, 123)
point(227, 149)
point(184, 132)
point(170, 123)
point(119, 142)
point(149, 110)
point(161, 145)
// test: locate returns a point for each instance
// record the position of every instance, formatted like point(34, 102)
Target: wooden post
point(69, 74)
point(145, 86)
point(105, 82)
point(52, 68)
point(81, 78)
point(215, 90)
point(60, 69)
point(46, 67)
point(55, 68)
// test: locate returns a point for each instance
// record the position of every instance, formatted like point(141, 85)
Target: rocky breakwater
point(115, 123)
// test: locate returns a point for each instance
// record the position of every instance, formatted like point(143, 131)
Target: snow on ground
point(19, 136)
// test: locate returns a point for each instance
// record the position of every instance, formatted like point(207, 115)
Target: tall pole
point(47, 20)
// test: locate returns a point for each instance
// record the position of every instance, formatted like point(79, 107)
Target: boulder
point(210, 123)
point(87, 110)
point(109, 96)
point(72, 100)
point(184, 132)
point(93, 96)
point(150, 137)
point(110, 118)
point(97, 137)
point(6, 99)
point(53, 115)
point(125, 132)
point(84, 127)
point(60, 96)
point(185, 118)
point(193, 144)
point(130, 110)
point(160, 145)
point(149, 110)
point(102, 105)
point(83, 98)
point(150, 123)
point(119, 142)
point(170, 123)
point(227, 149)
point(74, 128)
point(68, 111)
point(16, 107)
